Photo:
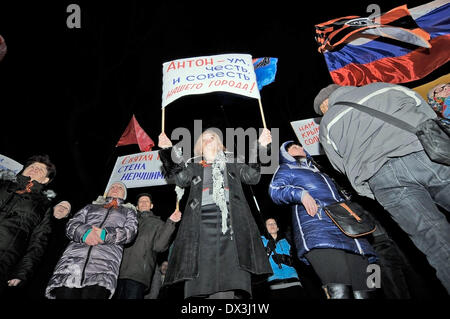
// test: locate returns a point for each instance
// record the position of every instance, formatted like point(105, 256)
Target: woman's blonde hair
point(199, 143)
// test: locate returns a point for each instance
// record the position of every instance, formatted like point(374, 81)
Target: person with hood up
point(339, 261)
point(89, 267)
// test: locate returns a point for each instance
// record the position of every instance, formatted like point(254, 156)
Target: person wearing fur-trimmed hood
point(89, 267)
point(298, 182)
point(218, 245)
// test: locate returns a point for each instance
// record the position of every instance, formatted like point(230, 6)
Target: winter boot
point(338, 291)
point(365, 294)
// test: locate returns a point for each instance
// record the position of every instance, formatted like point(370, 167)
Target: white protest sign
point(138, 170)
point(7, 163)
point(232, 73)
point(307, 132)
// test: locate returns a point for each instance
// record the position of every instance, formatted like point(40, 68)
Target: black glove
point(277, 258)
point(286, 259)
point(282, 259)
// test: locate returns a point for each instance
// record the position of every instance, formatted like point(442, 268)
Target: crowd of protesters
point(109, 248)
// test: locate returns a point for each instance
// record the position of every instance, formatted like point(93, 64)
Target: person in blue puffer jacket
point(284, 283)
point(339, 261)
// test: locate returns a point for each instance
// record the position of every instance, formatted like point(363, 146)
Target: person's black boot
point(365, 294)
point(338, 291)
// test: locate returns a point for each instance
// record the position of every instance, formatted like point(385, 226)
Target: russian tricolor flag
point(405, 45)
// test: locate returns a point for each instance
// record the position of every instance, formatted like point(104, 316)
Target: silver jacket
point(83, 265)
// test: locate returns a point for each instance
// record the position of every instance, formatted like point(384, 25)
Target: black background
point(70, 93)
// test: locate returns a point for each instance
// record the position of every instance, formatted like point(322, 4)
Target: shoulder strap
point(342, 191)
point(381, 115)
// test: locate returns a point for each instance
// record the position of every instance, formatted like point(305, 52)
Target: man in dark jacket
point(24, 221)
point(139, 258)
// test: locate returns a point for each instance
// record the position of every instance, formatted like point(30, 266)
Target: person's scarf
point(113, 204)
point(27, 188)
point(218, 169)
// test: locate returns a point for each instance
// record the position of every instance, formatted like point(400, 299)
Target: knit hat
point(323, 95)
point(123, 186)
point(65, 201)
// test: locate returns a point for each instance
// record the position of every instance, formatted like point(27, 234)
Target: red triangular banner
point(134, 134)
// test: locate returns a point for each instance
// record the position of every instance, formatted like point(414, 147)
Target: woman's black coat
point(247, 238)
point(24, 228)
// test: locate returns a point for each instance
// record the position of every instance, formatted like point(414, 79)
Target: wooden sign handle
point(163, 119)
point(262, 113)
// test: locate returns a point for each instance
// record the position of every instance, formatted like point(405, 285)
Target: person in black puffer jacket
point(25, 212)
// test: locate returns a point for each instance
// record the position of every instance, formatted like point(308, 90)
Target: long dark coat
point(183, 263)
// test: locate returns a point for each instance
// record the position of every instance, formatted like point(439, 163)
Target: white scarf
point(218, 168)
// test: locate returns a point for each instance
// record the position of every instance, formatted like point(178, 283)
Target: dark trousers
point(230, 294)
point(130, 289)
point(335, 266)
point(88, 292)
point(293, 292)
point(3, 287)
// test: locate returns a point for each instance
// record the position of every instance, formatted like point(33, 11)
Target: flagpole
point(163, 119)
point(262, 113)
point(250, 186)
point(108, 162)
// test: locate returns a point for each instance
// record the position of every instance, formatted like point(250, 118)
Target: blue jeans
point(409, 187)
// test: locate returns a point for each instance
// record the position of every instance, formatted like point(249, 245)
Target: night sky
point(70, 93)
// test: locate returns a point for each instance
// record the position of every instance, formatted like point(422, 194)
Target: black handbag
point(353, 220)
point(433, 134)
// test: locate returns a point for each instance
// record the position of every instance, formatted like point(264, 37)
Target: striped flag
point(406, 45)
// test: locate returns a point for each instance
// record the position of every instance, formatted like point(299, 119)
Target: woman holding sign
point(218, 245)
